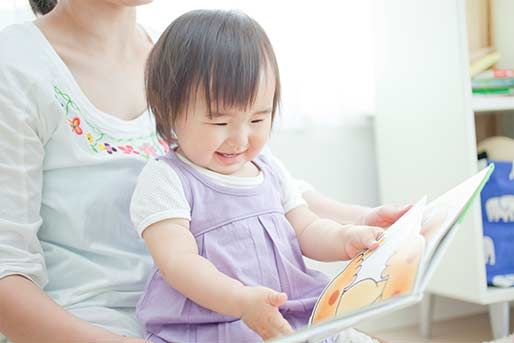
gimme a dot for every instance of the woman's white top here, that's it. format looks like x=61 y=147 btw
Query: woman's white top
x=67 y=174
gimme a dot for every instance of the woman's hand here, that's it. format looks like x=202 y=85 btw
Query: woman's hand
x=384 y=216
x=356 y=238
x=260 y=311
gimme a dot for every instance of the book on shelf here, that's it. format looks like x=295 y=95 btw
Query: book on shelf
x=494 y=91
x=395 y=274
x=494 y=74
x=484 y=63
x=492 y=83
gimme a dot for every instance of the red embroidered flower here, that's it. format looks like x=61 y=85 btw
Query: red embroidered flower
x=75 y=125
x=127 y=149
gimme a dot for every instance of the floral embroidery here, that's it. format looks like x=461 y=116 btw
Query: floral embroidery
x=128 y=149
x=90 y=138
x=99 y=141
x=107 y=147
x=75 y=125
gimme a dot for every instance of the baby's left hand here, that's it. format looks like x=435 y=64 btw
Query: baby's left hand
x=357 y=238
x=384 y=216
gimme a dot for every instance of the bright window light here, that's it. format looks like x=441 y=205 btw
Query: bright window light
x=325 y=51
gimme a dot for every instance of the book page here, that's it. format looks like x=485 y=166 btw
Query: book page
x=442 y=213
x=376 y=276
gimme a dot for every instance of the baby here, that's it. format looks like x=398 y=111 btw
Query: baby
x=223 y=222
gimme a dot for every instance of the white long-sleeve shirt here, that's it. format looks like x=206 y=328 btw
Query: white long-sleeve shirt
x=67 y=173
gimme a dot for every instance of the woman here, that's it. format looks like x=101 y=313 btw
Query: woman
x=74 y=135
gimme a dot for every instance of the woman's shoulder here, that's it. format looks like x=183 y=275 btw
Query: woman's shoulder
x=26 y=71
x=16 y=43
x=22 y=56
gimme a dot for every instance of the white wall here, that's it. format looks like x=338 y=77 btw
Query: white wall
x=338 y=160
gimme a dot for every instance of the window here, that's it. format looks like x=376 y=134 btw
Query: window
x=325 y=51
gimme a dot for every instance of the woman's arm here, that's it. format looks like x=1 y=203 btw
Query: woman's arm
x=29 y=315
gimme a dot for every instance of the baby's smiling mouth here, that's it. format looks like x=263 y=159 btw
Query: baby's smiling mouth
x=230 y=155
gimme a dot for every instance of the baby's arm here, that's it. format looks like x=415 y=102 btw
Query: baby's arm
x=327 y=240
x=175 y=252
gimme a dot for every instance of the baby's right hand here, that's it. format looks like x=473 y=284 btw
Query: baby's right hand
x=260 y=311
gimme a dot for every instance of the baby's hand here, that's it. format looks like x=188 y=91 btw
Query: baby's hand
x=360 y=237
x=384 y=216
x=260 y=311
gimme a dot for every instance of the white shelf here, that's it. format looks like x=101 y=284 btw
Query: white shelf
x=494 y=295
x=490 y=103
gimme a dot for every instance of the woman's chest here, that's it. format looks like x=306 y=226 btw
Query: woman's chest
x=111 y=79
x=83 y=136
x=114 y=88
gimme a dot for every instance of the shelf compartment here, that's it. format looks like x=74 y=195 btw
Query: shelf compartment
x=486 y=103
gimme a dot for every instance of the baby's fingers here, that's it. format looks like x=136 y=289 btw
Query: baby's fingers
x=276 y=299
x=279 y=326
x=370 y=239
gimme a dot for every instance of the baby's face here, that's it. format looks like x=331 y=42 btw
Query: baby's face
x=229 y=140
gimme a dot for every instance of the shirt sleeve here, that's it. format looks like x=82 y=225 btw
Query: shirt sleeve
x=292 y=189
x=158 y=195
x=21 y=165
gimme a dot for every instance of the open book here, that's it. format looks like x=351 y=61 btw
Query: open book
x=395 y=274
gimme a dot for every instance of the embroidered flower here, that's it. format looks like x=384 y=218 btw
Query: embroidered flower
x=148 y=149
x=90 y=138
x=75 y=125
x=164 y=145
x=107 y=147
x=128 y=149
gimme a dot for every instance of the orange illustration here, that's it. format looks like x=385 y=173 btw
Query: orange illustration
x=327 y=304
x=397 y=278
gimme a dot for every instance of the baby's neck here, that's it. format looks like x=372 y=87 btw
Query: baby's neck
x=249 y=169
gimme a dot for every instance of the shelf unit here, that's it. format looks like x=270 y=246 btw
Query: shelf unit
x=492 y=103
x=426 y=139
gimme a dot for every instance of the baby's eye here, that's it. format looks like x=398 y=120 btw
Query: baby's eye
x=219 y=124
x=257 y=120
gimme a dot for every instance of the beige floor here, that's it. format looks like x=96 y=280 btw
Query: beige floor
x=466 y=330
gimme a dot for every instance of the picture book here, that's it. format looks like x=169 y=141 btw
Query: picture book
x=395 y=274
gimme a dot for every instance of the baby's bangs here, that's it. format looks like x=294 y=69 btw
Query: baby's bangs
x=236 y=55
x=234 y=77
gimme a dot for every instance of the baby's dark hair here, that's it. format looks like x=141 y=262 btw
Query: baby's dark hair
x=221 y=53
x=42 y=7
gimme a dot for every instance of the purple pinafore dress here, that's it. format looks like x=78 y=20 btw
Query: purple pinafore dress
x=245 y=234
